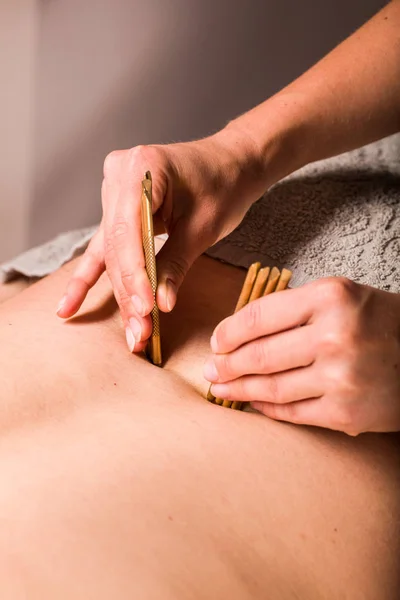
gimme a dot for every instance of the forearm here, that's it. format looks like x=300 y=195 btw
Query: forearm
x=348 y=99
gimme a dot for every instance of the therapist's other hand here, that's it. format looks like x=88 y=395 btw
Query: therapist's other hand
x=326 y=354
x=201 y=192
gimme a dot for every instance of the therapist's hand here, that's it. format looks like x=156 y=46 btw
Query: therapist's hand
x=201 y=192
x=326 y=354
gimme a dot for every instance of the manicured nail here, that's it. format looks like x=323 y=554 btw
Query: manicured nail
x=171 y=294
x=130 y=339
x=220 y=390
x=136 y=329
x=210 y=370
x=214 y=343
x=61 y=304
x=138 y=305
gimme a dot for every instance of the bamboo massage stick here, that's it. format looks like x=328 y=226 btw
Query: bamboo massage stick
x=248 y=285
x=277 y=285
x=242 y=301
x=272 y=281
x=260 y=289
x=258 y=283
x=256 y=288
x=283 y=280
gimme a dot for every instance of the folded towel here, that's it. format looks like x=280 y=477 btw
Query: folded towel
x=335 y=217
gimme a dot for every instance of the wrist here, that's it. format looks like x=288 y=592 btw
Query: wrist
x=245 y=158
x=269 y=140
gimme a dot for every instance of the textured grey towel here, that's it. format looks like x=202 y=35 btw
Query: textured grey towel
x=336 y=217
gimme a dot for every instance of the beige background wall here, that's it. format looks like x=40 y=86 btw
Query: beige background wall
x=83 y=78
x=18 y=37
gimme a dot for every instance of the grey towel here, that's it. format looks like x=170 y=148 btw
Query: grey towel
x=336 y=217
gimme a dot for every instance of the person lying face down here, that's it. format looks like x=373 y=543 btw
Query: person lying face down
x=120 y=480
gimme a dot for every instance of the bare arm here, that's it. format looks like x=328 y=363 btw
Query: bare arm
x=348 y=99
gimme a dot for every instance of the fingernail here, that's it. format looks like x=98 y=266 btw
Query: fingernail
x=130 y=339
x=136 y=329
x=171 y=294
x=210 y=370
x=220 y=390
x=138 y=305
x=214 y=343
x=61 y=304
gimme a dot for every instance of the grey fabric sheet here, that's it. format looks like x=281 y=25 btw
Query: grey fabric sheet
x=336 y=217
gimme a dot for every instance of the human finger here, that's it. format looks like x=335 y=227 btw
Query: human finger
x=266 y=355
x=137 y=328
x=310 y=411
x=124 y=231
x=113 y=168
x=278 y=388
x=90 y=267
x=265 y=316
x=183 y=247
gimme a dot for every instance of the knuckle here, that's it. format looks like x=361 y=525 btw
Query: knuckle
x=289 y=412
x=270 y=410
x=272 y=389
x=341 y=376
x=123 y=299
x=344 y=420
x=78 y=280
x=247 y=390
x=108 y=248
x=333 y=340
x=241 y=389
x=119 y=229
x=126 y=276
x=224 y=366
x=352 y=432
x=140 y=156
x=125 y=306
x=121 y=295
x=259 y=355
x=177 y=269
x=111 y=163
x=282 y=412
x=335 y=290
x=252 y=315
x=340 y=335
x=221 y=335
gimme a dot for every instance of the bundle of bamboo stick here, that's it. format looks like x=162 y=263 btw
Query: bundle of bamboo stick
x=259 y=282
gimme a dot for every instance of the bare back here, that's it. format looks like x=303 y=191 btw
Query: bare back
x=119 y=480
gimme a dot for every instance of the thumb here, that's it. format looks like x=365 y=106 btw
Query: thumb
x=173 y=262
